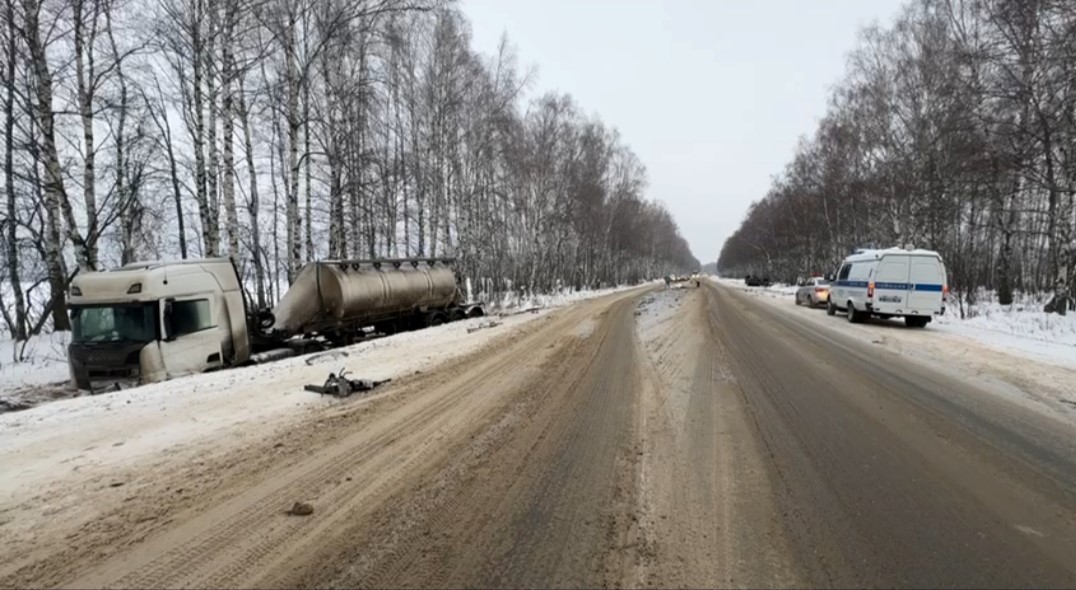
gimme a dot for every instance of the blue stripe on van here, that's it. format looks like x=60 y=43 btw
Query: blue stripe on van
x=893 y=286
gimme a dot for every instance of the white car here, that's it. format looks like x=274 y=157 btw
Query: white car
x=813 y=292
x=891 y=283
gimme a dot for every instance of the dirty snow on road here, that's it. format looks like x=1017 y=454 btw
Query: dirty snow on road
x=92 y=477
x=57 y=453
x=150 y=418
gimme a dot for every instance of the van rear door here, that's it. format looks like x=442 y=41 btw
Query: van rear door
x=891 y=284
x=927 y=282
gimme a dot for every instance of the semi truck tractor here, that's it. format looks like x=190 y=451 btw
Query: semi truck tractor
x=152 y=321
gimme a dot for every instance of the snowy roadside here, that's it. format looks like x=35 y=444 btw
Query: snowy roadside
x=1019 y=330
x=39 y=376
x=91 y=434
x=42 y=375
x=1017 y=353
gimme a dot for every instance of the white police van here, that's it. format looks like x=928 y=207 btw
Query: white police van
x=890 y=283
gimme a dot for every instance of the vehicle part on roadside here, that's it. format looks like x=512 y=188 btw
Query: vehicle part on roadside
x=482 y=326
x=328 y=354
x=341 y=386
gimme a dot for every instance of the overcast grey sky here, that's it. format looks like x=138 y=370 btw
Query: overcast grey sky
x=711 y=94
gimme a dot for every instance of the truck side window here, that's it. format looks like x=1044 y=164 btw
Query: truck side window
x=191 y=316
x=843 y=274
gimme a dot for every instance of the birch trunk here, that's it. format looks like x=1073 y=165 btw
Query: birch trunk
x=228 y=132
x=308 y=229
x=252 y=209
x=212 y=156
x=52 y=186
x=11 y=223
x=85 y=33
x=130 y=207
x=291 y=76
x=204 y=211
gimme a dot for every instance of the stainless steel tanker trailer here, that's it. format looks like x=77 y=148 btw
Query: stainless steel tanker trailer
x=152 y=321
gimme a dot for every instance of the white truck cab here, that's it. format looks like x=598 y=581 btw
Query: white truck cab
x=152 y=321
x=890 y=283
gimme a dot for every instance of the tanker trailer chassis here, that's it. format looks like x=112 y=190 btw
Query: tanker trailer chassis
x=341 y=302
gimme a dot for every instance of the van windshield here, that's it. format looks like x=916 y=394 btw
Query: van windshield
x=129 y=322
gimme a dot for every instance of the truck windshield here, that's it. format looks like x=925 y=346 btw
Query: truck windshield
x=135 y=322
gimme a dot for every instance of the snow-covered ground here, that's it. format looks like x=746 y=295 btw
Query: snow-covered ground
x=516 y=300
x=94 y=433
x=36 y=371
x=33 y=371
x=1022 y=329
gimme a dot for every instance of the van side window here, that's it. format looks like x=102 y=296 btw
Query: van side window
x=843 y=274
x=191 y=316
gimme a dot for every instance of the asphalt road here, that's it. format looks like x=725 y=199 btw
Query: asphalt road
x=887 y=473
x=688 y=437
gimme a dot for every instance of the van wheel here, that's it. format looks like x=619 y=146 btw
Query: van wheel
x=830 y=308
x=853 y=315
x=916 y=321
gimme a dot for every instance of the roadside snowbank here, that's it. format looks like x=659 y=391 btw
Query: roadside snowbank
x=1022 y=329
x=39 y=361
x=1027 y=321
x=95 y=433
x=515 y=300
x=41 y=374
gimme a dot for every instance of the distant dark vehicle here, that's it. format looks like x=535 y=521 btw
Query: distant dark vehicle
x=753 y=281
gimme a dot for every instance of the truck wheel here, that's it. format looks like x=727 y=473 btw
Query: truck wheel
x=830 y=308
x=456 y=315
x=435 y=319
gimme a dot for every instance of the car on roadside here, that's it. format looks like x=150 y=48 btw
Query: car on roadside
x=895 y=282
x=755 y=281
x=813 y=292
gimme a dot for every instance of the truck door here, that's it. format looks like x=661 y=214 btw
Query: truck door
x=891 y=285
x=927 y=282
x=191 y=342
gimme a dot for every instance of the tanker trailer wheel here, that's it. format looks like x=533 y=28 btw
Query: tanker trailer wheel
x=456 y=315
x=344 y=338
x=476 y=312
x=435 y=318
